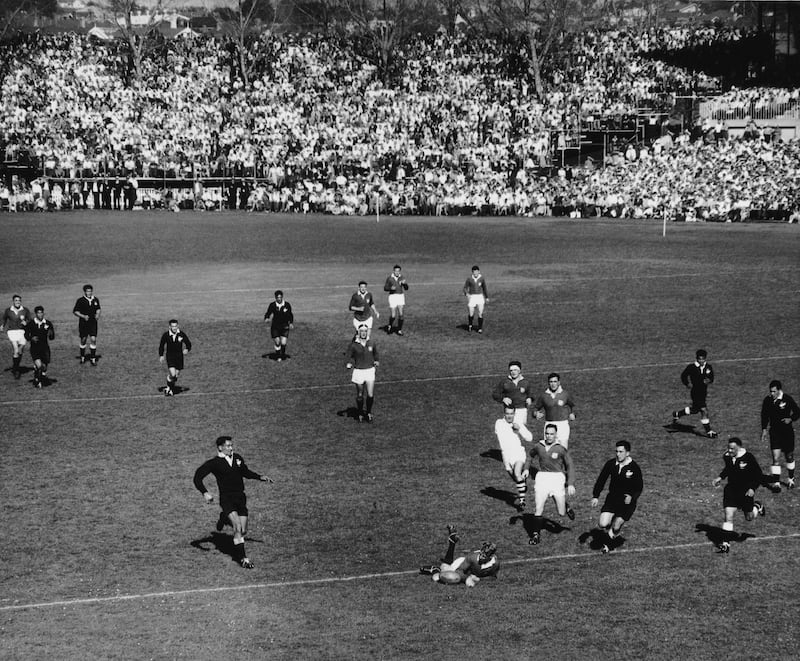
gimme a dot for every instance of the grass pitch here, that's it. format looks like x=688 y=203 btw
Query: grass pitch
x=108 y=552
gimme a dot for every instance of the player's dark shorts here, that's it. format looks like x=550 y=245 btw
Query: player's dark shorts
x=87 y=327
x=737 y=498
x=279 y=331
x=616 y=505
x=699 y=399
x=175 y=361
x=40 y=352
x=782 y=439
x=233 y=502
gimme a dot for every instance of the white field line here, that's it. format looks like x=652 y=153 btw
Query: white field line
x=348 y=385
x=357 y=577
x=440 y=283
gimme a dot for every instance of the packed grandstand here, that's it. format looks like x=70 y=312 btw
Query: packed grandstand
x=459 y=130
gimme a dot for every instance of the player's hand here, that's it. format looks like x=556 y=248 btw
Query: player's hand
x=507 y=401
x=525 y=474
x=749 y=493
x=471 y=581
x=572 y=417
x=377 y=314
x=764 y=434
x=209 y=498
x=376 y=363
x=570 y=490
x=185 y=351
x=161 y=359
x=265 y=478
x=515 y=426
x=628 y=499
x=717 y=481
x=786 y=421
x=349 y=366
x=594 y=502
x=291 y=326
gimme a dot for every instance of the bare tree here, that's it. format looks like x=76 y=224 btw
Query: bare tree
x=243 y=25
x=450 y=11
x=537 y=22
x=15 y=11
x=138 y=29
x=387 y=24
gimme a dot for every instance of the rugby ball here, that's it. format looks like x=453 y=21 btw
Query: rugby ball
x=450 y=577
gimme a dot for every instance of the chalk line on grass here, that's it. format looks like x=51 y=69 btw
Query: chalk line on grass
x=356 y=577
x=347 y=384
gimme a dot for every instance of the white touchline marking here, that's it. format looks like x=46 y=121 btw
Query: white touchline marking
x=347 y=385
x=356 y=577
x=454 y=283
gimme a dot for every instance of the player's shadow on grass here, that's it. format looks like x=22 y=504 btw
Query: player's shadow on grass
x=46 y=382
x=274 y=356
x=527 y=519
x=176 y=390
x=222 y=542
x=716 y=535
x=493 y=453
x=349 y=412
x=595 y=539
x=502 y=495
x=680 y=428
x=22 y=369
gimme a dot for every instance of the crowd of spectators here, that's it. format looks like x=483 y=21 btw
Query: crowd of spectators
x=458 y=130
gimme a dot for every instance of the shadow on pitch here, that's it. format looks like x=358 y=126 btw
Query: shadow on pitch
x=527 y=518
x=22 y=369
x=221 y=542
x=716 y=535
x=595 y=539
x=680 y=428
x=349 y=412
x=502 y=495
x=274 y=356
x=177 y=390
x=493 y=453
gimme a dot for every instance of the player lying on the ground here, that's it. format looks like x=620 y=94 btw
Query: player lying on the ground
x=469 y=568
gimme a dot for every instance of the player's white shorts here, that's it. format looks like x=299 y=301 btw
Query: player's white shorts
x=562 y=429
x=512 y=456
x=548 y=484
x=397 y=300
x=359 y=322
x=363 y=376
x=476 y=300
x=17 y=337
